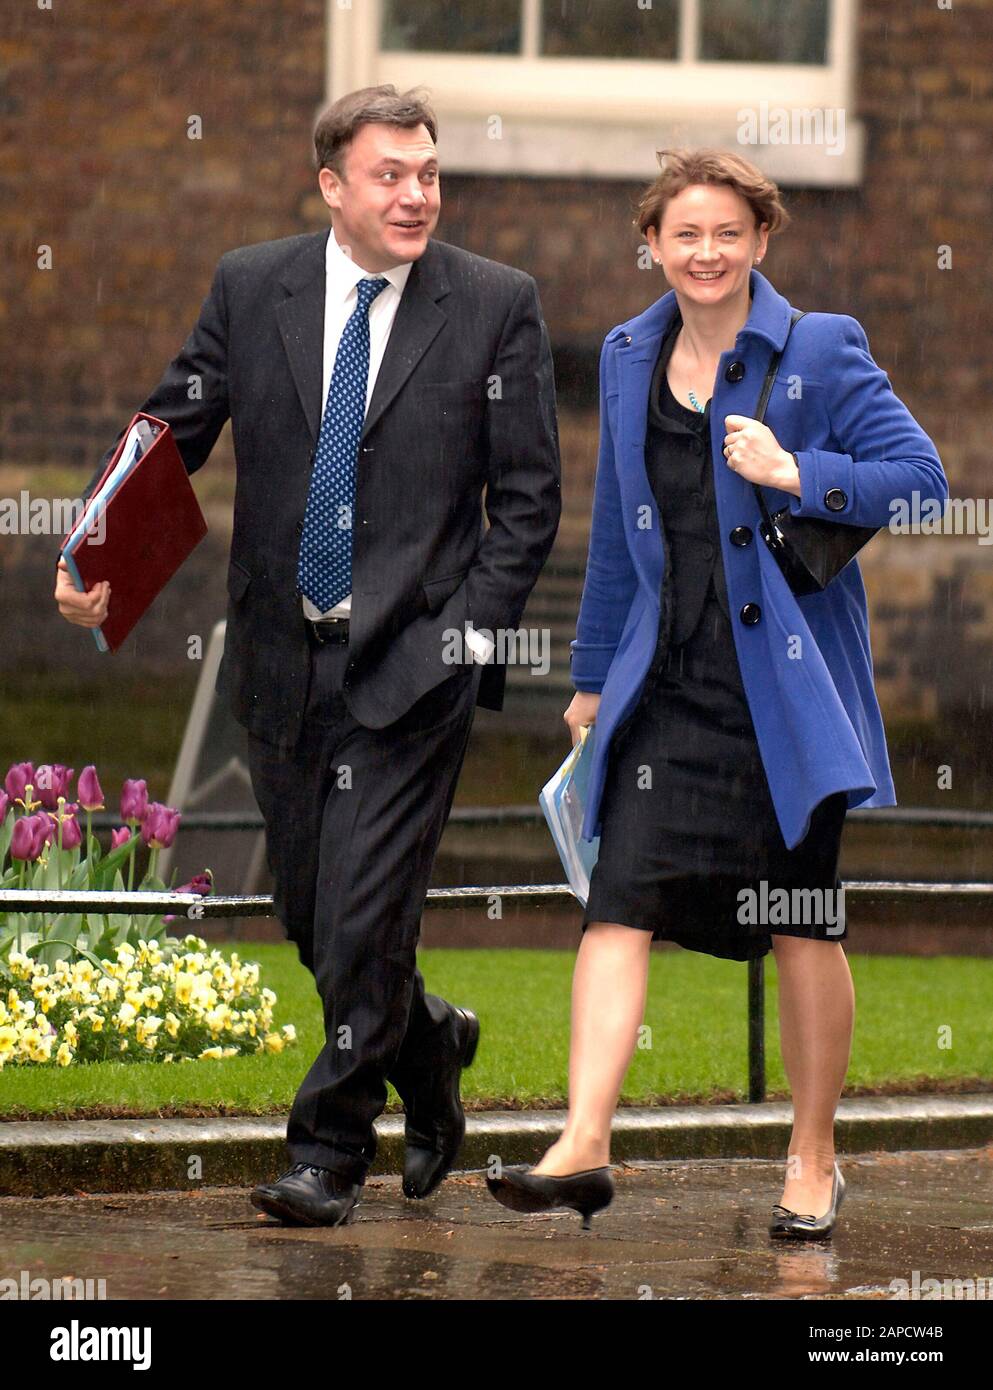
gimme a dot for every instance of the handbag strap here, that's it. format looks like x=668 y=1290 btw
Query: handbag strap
x=770 y=377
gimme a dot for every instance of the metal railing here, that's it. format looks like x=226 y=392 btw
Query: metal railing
x=532 y=815
x=198 y=909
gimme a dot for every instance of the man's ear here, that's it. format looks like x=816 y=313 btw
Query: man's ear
x=330 y=186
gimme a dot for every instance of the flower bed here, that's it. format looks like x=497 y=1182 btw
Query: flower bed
x=171 y=1003
x=89 y=987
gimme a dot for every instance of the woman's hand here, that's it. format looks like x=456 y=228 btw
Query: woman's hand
x=582 y=711
x=752 y=450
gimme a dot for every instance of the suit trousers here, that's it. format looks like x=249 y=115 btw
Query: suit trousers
x=353 y=818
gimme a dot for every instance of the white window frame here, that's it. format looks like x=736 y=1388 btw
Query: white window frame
x=534 y=115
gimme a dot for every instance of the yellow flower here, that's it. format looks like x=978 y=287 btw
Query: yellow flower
x=203 y=997
x=64 y=1055
x=146 y=1028
x=218 y=1019
x=37 y=1046
x=273 y=1042
x=20 y=966
x=124 y=1017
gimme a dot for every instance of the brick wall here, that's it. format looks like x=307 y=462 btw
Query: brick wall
x=95 y=100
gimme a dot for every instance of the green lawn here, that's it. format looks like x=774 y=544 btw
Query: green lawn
x=906 y=1006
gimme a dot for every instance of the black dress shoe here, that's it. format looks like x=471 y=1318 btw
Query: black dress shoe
x=309 y=1196
x=435 y=1121
x=789 y=1225
x=586 y=1192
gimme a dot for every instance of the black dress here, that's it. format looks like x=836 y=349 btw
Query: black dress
x=687 y=819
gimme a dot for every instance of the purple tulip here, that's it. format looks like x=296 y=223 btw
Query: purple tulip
x=43 y=831
x=71 y=833
x=52 y=782
x=119 y=837
x=88 y=789
x=4 y=806
x=200 y=883
x=22 y=841
x=159 y=825
x=134 y=799
x=18 y=777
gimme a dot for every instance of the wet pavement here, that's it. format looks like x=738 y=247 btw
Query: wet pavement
x=676 y=1230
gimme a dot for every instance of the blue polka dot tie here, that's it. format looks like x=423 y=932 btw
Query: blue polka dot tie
x=324 y=570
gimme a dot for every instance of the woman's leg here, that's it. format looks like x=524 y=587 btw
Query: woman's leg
x=816 y=1014
x=609 y=987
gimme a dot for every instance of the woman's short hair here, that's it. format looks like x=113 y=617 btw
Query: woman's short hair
x=682 y=167
x=338 y=125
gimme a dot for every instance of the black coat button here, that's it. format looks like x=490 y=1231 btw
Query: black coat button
x=750 y=614
x=835 y=500
x=741 y=535
x=735 y=372
x=696 y=445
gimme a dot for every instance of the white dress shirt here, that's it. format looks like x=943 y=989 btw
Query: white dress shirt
x=342 y=275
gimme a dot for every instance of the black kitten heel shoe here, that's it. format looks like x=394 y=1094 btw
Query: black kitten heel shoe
x=586 y=1192
x=787 y=1224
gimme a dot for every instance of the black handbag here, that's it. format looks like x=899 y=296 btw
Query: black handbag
x=808 y=550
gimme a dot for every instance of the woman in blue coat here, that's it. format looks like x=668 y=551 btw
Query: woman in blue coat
x=735 y=721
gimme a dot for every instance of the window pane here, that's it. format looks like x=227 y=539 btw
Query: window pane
x=451 y=26
x=764 y=31
x=609 y=29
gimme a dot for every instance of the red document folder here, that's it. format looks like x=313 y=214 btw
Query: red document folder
x=151 y=524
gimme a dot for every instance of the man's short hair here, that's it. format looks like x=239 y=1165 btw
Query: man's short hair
x=338 y=125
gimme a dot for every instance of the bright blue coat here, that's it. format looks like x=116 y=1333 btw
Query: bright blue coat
x=812 y=701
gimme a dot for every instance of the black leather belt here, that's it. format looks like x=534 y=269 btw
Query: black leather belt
x=323 y=630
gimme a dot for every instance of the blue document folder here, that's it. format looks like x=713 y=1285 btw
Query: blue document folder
x=563 y=801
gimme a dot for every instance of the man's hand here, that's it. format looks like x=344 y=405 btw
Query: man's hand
x=582 y=711
x=89 y=609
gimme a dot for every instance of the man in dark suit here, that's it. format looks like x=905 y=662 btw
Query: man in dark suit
x=377 y=382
